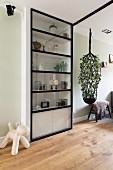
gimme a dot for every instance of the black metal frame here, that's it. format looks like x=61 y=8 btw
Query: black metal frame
x=31 y=80
x=37 y=71
x=41 y=71
x=55 y=108
x=49 y=33
x=51 y=53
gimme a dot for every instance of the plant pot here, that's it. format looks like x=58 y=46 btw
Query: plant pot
x=37 y=46
x=89 y=100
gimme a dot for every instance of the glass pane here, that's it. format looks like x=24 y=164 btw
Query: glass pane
x=49 y=81
x=50 y=100
x=47 y=62
x=50 y=43
x=51 y=25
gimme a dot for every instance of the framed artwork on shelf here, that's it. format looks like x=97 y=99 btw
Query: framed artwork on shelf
x=104 y=64
x=111 y=58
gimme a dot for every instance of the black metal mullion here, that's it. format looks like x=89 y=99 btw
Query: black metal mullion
x=51 y=34
x=50 y=91
x=72 y=77
x=31 y=21
x=52 y=53
x=53 y=72
x=51 y=108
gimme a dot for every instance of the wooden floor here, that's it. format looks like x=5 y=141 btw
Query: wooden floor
x=89 y=146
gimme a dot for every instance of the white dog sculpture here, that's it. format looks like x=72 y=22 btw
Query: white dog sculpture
x=16 y=136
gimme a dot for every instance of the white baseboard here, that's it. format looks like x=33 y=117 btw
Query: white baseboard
x=79 y=119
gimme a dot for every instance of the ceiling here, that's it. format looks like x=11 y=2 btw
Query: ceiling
x=72 y=11
x=69 y=10
x=98 y=22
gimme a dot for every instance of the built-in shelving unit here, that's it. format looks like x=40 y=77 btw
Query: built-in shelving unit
x=51 y=75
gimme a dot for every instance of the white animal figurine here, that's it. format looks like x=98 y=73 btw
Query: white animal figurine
x=16 y=136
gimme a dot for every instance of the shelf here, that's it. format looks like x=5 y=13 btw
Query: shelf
x=47 y=91
x=51 y=108
x=54 y=72
x=49 y=37
x=51 y=34
x=51 y=53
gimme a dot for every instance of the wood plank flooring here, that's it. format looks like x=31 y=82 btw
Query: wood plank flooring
x=88 y=146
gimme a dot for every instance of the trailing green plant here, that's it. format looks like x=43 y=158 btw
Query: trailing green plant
x=36 y=43
x=90 y=75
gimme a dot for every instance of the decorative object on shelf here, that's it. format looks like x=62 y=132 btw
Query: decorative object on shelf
x=90 y=75
x=37 y=85
x=55 y=83
x=104 y=64
x=57 y=67
x=51 y=84
x=65 y=34
x=111 y=58
x=44 y=104
x=36 y=45
x=40 y=67
x=63 y=85
x=43 y=87
x=44 y=44
x=53 y=28
x=61 y=67
x=49 y=48
x=55 y=47
x=61 y=102
x=37 y=107
x=16 y=136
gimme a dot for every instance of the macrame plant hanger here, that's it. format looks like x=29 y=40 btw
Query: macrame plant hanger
x=89 y=76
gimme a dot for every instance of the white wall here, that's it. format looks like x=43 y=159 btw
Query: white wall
x=10 y=69
x=106 y=84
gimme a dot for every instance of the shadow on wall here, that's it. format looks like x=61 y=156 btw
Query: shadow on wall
x=108 y=98
x=82 y=111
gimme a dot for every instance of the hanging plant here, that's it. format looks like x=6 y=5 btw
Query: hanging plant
x=90 y=75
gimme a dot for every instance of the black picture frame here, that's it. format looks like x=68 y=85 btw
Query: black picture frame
x=104 y=64
x=45 y=104
x=111 y=58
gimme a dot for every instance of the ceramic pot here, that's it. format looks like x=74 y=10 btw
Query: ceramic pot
x=89 y=100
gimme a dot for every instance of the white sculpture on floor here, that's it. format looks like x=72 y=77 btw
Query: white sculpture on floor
x=16 y=136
